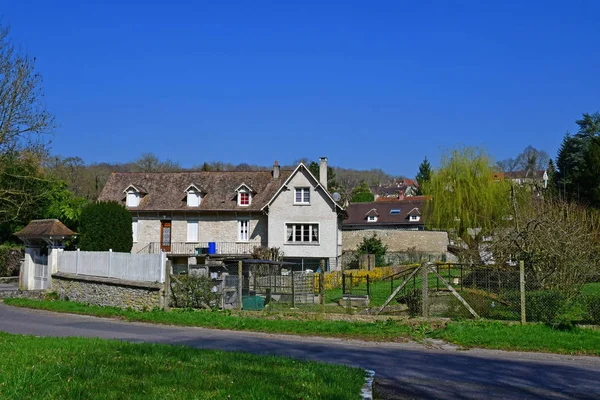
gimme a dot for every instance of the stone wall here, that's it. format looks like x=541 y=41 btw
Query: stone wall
x=430 y=242
x=108 y=291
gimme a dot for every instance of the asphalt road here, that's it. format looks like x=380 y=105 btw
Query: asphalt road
x=403 y=371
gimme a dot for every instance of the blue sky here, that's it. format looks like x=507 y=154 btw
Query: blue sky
x=368 y=84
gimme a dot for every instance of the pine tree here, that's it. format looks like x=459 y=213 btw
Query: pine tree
x=424 y=175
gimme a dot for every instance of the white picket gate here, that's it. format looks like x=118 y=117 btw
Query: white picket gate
x=41 y=273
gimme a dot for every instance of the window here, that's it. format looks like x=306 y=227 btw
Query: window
x=395 y=211
x=243 y=198
x=134 y=230
x=243 y=228
x=372 y=218
x=302 y=233
x=192 y=231
x=302 y=196
x=133 y=199
x=414 y=218
x=193 y=198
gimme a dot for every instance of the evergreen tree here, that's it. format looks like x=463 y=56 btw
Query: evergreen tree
x=552 y=188
x=104 y=226
x=424 y=175
x=362 y=194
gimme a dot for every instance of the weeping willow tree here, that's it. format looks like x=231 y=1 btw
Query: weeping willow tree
x=469 y=201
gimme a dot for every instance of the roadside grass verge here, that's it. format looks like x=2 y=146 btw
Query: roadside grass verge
x=77 y=368
x=530 y=337
x=388 y=330
x=467 y=333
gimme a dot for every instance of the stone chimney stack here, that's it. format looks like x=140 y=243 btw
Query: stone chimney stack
x=323 y=171
x=276 y=170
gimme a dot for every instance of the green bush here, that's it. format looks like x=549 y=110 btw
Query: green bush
x=373 y=245
x=192 y=291
x=104 y=226
x=414 y=300
x=10 y=260
x=592 y=308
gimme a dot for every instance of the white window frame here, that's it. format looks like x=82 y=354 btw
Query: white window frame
x=243 y=230
x=192 y=231
x=134 y=230
x=133 y=198
x=372 y=218
x=302 y=226
x=304 y=195
x=414 y=218
x=194 y=195
x=239 y=197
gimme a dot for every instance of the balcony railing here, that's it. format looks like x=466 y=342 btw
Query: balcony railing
x=200 y=248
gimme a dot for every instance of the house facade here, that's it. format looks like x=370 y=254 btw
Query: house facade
x=228 y=213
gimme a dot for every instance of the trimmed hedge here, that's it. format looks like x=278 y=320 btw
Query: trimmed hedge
x=104 y=226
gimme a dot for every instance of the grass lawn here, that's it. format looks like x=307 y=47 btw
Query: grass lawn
x=468 y=333
x=296 y=324
x=76 y=368
x=591 y=288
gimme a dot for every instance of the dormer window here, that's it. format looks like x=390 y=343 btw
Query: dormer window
x=194 y=195
x=372 y=218
x=414 y=218
x=133 y=195
x=244 y=195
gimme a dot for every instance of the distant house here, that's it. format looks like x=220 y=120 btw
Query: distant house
x=396 y=190
x=532 y=177
x=400 y=214
x=228 y=213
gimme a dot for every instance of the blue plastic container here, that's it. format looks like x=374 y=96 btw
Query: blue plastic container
x=212 y=248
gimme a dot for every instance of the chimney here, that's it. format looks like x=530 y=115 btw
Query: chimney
x=323 y=171
x=276 y=170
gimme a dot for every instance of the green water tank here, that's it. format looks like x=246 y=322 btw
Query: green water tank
x=253 y=303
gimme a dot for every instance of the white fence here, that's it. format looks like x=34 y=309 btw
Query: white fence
x=108 y=264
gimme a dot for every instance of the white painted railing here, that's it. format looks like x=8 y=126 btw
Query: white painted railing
x=108 y=264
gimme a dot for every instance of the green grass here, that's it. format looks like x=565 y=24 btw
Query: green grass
x=483 y=333
x=591 y=288
x=76 y=368
x=259 y=322
x=531 y=337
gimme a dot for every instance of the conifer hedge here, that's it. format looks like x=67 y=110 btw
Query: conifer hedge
x=104 y=226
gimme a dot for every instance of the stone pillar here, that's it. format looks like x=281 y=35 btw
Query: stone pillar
x=26 y=281
x=53 y=255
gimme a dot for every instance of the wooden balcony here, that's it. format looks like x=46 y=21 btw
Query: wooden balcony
x=202 y=248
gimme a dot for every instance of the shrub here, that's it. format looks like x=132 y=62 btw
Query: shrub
x=10 y=260
x=414 y=300
x=192 y=291
x=549 y=306
x=373 y=245
x=104 y=226
x=592 y=308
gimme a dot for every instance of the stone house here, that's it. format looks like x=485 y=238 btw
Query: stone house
x=228 y=213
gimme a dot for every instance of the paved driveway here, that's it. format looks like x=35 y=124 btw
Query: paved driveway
x=404 y=370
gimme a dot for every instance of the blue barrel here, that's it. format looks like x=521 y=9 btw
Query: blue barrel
x=212 y=248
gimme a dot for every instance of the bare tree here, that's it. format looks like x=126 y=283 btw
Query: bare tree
x=24 y=120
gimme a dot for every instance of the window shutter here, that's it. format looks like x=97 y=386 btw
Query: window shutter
x=192 y=231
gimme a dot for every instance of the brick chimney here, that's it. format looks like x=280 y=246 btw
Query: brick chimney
x=323 y=171
x=276 y=170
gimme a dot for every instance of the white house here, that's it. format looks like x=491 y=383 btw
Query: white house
x=228 y=213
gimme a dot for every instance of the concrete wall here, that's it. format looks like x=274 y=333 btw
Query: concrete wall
x=222 y=227
x=399 y=240
x=108 y=292
x=321 y=211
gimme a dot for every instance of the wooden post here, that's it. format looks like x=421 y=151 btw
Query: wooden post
x=425 y=289
x=368 y=286
x=240 y=284
x=293 y=290
x=522 y=287
x=322 y=283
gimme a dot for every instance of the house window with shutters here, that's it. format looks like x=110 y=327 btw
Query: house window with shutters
x=243 y=230
x=192 y=231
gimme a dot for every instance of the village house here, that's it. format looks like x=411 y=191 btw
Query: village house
x=229 y=213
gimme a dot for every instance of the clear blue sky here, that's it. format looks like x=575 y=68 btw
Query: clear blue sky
x=368 y=84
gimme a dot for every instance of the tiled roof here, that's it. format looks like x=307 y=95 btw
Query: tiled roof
x=357 y=213
x=166 y=190
x=44 y=228
x=525 y=174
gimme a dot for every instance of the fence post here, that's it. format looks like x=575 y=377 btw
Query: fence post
x=109 y=262
x=240 y=284
x=77 y=262
x=167 y=287
x=322 y=283
x=343 y=284
x=424 y=289
x=293 y=290
x=368 y=286
x=522 y=289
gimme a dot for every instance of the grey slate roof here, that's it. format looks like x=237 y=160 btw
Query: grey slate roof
x=166 y=190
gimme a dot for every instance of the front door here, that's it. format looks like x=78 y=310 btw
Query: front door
x=165 y=236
